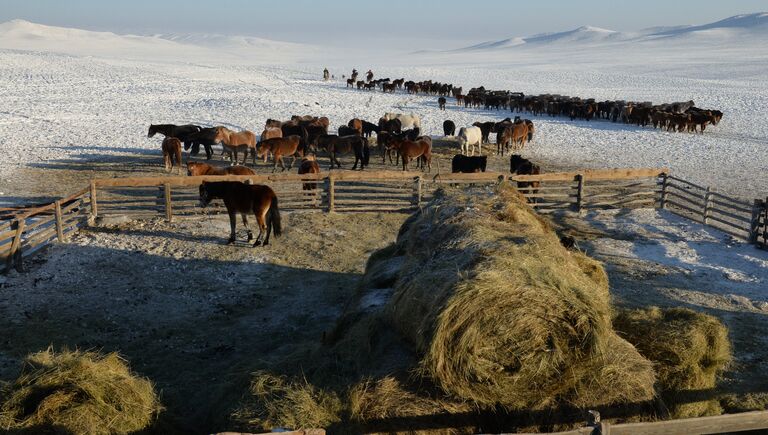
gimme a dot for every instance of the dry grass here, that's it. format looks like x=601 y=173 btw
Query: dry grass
x=503 y=314
x=386 y=398
x=78 y=392
x=689 y=350
x=277 y=401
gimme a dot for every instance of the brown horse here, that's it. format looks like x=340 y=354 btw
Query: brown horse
x=357 y=124
x=234 y=141
x=279 y=147
x=420 y=149
x=244 y=198
x=309 y=166
x=171 y=153
x=200 y=168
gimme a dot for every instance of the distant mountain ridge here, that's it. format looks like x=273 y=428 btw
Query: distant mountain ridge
x=739 y=25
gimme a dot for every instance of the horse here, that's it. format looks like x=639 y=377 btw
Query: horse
x=441 y=103
x=369 y=76
x=369 y=128
x=279 y=147
x=349 y=131
x=346 y=144
x=199 y=168
x=390 y=125
x=205 y=137
x=357 y=124
x=245 y=198
x=522 y=166
x=466 y=164
x=309 y=165
x=469 y=137
x=180 y=132
x=449 y=128
x=234 y=141
x=171 y=153
x=351 y=82
x=485 y=129
x=420 y=149
x=406 y=121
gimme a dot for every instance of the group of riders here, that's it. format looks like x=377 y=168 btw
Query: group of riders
x=368 y=75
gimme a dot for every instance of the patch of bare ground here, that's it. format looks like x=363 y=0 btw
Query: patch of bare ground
x=193 y=314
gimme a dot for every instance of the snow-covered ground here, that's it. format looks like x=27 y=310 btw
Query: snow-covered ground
x=72 y=95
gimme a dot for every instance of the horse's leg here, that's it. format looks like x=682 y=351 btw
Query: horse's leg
x=208 y=152
x=245 y=223
x=245 y=156
x=232 y=223
x=260 y=214
x=166 y=160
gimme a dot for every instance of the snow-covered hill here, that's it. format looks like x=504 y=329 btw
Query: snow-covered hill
x=749 y=29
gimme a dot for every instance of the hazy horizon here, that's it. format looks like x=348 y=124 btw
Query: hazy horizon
x=426 y=24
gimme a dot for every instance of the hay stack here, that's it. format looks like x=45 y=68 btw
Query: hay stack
x=689 y=350
x=501 y=313
x=277 y=401
x=78 y=392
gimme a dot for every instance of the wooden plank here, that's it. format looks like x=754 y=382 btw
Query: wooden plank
x=694 y=211
x=733 y=216
x=38 y=222
x=76 y=204
x=680 y=180
x=594 y=174
x=747 y=210
x=94 y=202
x=168 y=203
x=15 y=244
x=702 y=425
x=59 y=228
x=676 y=196
x=622 y=202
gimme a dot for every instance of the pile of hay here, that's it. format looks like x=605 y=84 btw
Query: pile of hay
x=78 y=392
x=689 y=351
x=501 y=313
x=279 y=402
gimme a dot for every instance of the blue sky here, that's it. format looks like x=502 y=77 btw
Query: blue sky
x=362 y=22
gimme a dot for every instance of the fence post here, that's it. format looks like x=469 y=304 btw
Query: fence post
x=330 y=193
x=59 y=226
x=579 y=191
x=94 y=206
x=754 y=221
x=707 y=206
x=417 y=190
x=14 y=255
x=664 y=184
x=168 y=207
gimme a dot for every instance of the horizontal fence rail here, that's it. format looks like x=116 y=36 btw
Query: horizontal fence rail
x=28 y=230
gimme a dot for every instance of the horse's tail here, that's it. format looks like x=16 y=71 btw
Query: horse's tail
x=274 y=217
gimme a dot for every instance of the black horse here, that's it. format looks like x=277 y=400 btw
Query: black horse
x=205 y=137
x=182 y=132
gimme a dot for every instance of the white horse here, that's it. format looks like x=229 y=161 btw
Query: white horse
x=406 y=121
x=469 y=137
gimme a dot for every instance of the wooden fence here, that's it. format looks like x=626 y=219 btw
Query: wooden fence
x=347 y=191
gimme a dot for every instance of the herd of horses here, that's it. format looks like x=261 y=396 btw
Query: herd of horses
x=675 y=117
x=398 y=139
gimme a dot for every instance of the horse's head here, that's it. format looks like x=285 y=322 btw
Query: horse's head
x=152 y=130
x=222 y=134
x=205 y=195
x=193 y=168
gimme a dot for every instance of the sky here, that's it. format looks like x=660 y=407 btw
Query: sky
x=421 y=23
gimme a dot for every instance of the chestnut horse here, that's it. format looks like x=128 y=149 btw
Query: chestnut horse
x=200 y=168
x=245 y=198
x=235 y=141
x=420 y=149
x=309 y=166
x=279 y=147
x=172 y=152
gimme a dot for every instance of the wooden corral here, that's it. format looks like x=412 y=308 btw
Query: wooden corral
x=26 y=231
